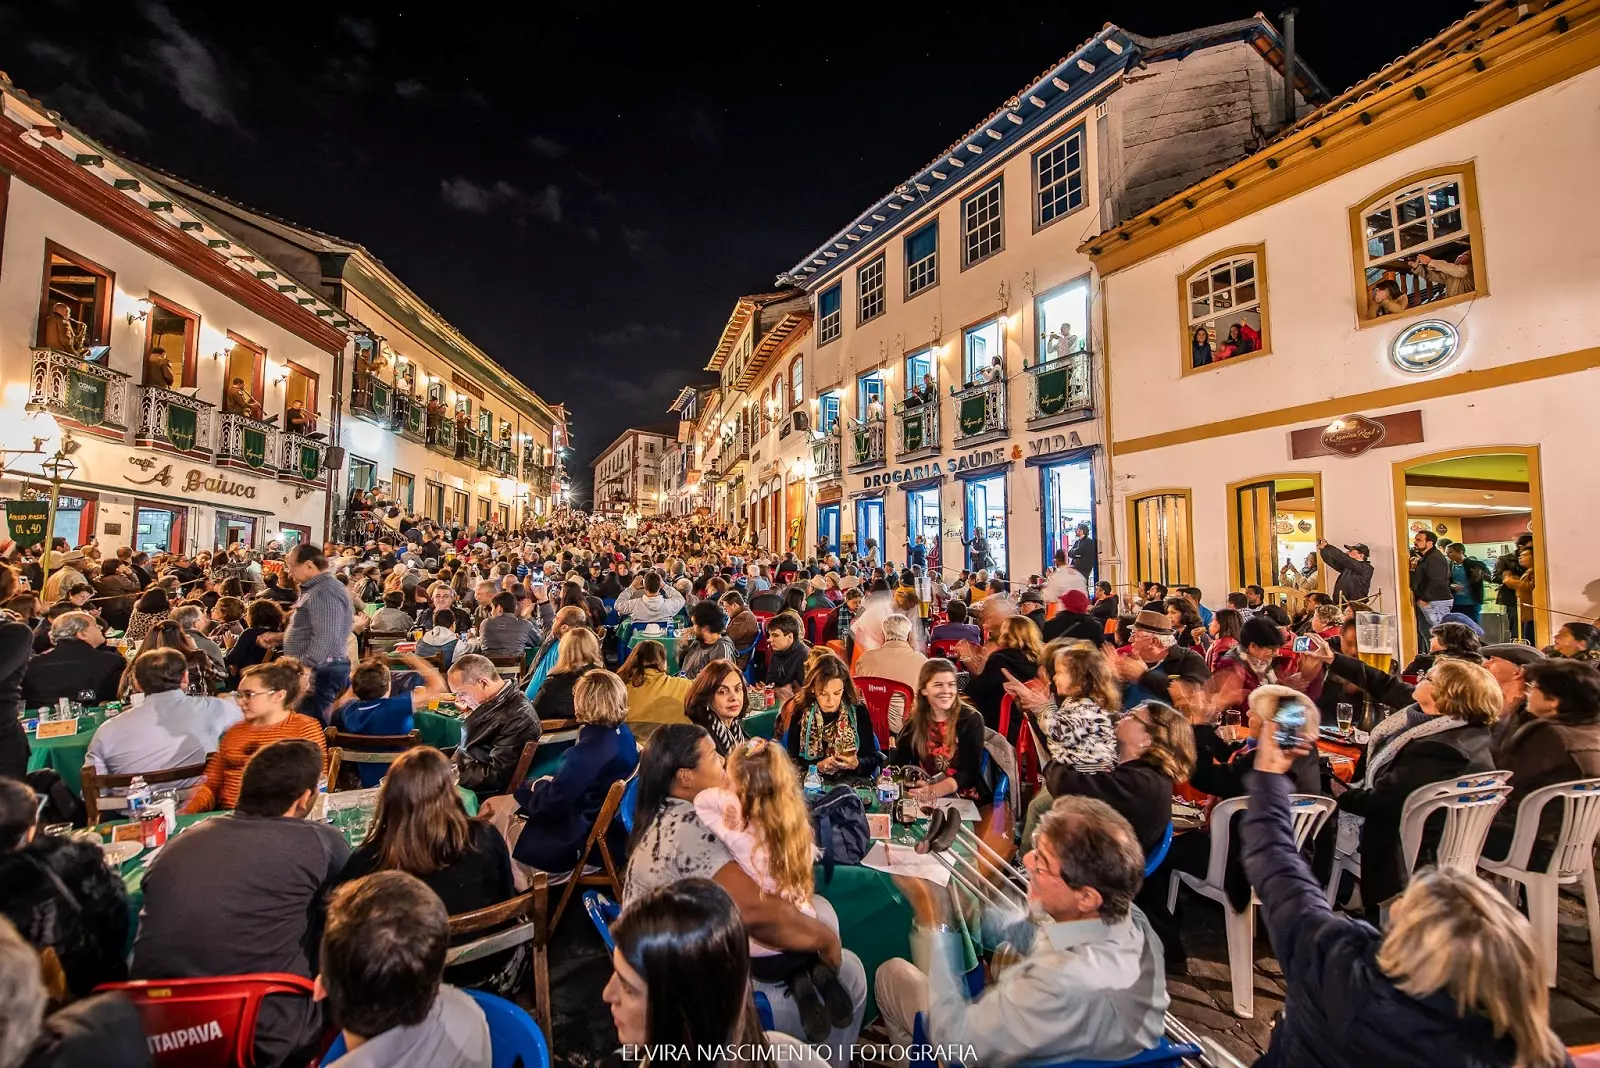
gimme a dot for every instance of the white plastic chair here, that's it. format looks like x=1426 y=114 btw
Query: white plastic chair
x=1466 y=825
x=1573 y=862
x=1307 y=812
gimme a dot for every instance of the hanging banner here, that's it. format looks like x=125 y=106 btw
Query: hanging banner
x=255 y=448
x=912 y=426
x=1052 y=391
x=973 y=414
x=27 y=521
x=181 y=424
x=310 y=462
x=86 y=398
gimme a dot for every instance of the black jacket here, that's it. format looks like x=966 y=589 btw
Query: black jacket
x=1078 y=625
x=104 y=1030
x=869 y=758
x=60 y=895
x=496 y=731
x=1381 y=686
x=555 y=696
x=71 y=666
x=1137 y=789
x=1083 y=556
x=1341 y=1011
x=1430 y=579
x=1423 y=760
x=988 y=688
x=968 y=764
x=1355 y=576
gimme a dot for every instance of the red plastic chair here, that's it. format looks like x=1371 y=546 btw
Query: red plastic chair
x=1027 y=745
x=817 y=624
x=946 y=647
x=205 y=1023
x=877 y=693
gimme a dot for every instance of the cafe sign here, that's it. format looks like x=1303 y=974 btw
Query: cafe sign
x=978 y=458
x=193 y=481
x=1353 y=435
x=1424 y=346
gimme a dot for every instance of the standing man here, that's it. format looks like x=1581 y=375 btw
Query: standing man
x=917 y=555
x=1084 y=555
x=1355 y=573
x=1506 y=596
x=1467 y=576
x=1430 y=584
x=319 y=628
x=977 y=550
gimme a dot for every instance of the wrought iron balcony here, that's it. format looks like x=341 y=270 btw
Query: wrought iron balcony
x=409 y=417
x=300 y=459
x=247 y=443
x=1061 y=390
x=441 y=435
x=919 y=430
x=825 y=458
x=980 y=413
x=90 y=396
x=175 y=422
x=500 y=460
x=866 y=445
x=372 y=399
x=469 y=446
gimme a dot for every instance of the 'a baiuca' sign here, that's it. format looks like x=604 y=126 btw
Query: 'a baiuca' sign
x=1000 y=454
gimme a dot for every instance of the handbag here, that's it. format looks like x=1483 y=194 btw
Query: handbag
x=839 y=825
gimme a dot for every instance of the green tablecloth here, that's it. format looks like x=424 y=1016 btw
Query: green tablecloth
x=65 y=755
x=761 y=724
x=669 y=642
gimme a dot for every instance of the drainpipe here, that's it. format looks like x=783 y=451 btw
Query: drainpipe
x=1288 y=66
x=335 y=428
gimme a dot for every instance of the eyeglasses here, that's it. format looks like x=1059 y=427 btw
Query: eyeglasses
x=251 y=693
x=1033 y=859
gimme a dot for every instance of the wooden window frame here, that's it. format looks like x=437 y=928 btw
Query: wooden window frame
x=316 y=384
x=1235 y=543
x=5 y=198
x=105 y=290
x=258 y=377
x=836 y=316
x=907 y=293
x=797 y=380
x=970 y=328
x=191 y=340
x=1185 y=574
x=880 y=263
x=1473 y=230
x=999 y=188
x=1185 y=332
x=177 y=540
x=394 y=475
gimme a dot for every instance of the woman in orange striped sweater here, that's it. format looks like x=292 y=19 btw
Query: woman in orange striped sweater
x=266 y=694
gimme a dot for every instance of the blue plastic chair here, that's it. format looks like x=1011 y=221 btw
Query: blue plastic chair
x=1168 y=1054
x=603 y=912
x=763 y=1011
x=1002 y=782
x=1160 y=854
x=612 y=619
x=630 y=802
x=750 y=651
x=513 y=1036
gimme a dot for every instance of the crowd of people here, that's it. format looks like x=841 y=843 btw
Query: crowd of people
x=234 y=665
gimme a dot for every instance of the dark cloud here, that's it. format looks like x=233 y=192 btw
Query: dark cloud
x=475 y=99
x=191 y=66
x=96 y=113
x=410 y=89
x=631 y=334
x=465 y=195
x=364 y=31
x=547 y=147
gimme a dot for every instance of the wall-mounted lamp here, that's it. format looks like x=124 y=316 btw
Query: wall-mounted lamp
x=225 y=351
x=141 y=311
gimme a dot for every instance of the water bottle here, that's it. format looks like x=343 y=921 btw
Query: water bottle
x=813 y=785
x=888 y=789
x=138 y=798
x=319 y=804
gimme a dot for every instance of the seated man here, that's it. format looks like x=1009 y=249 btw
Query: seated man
x=441 y=637
x=367 y=708
x=505 y=633
x=895 y=658
x=243 y=893
x=649 y=600
x=1089 y=984
x=382 y=974
x=392 y=618
x=169 y=728
x=79 y=659
x=742 y=623
x=500 y=721
x=706 y=641
x=956 y=628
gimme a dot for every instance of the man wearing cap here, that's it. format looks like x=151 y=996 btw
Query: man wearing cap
x=1153 y=660
x=1031 y=604
x=1355 y=573
x=1074 y=620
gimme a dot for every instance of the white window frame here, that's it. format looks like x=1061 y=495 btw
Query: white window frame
x=1072 y=141
x=1232 y=261
x=797 y=380
x=1421 y=188
x=924 y=273
x=831 y=325
x=871 y=296
x=983 y=224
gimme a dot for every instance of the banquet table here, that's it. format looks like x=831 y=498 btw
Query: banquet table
x=668 y=638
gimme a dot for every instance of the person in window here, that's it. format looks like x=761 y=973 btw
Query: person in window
x=158 y=369
x=1241 y=340
x=1454 y=277
x=296 y=419
x=238 y=401
x=1387 y=299
x=1200 y=347
x=62 y=332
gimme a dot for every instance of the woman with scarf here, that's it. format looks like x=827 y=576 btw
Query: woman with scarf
x=826 y=724
x=718 y=702
x=1459 y=702
x=1261 y=660
x=1576 y=641
x=943 y=735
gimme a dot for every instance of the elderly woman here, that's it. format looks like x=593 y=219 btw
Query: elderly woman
x=149 y=610
x=547 y=821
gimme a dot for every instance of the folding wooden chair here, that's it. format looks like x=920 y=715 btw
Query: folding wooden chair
x=347 y=748
x=94 y=782
x=596 y=840
x=531 y=908
x=384 y=641
x=507 y=667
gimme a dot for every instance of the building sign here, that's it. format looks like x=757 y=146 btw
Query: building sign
x=1352 y=435
x=27 y=519
x=1425 y=346
x=1054 y=443
x=1000 y=454
x=192 y=481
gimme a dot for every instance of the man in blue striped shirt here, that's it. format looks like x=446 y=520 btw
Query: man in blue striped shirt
x=319 y=628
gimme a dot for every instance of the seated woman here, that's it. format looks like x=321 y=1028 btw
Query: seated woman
x=827 y=724
x=546 y=821
x=150 y=609
x=265 y=621
x=1455 y=979
x=943 y=736
x=654 y=697
x=579 y=654
x=681 y=975
x=1224 y=629
x=421 y=827
x=672 y=844
x=1459 y=702
x=267 y=694
x=719 y=701
x=167 y=634
x=1575 y=641
x=1017 y=649
x=761 y=817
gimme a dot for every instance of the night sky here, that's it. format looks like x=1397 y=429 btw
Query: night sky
x=583 y=189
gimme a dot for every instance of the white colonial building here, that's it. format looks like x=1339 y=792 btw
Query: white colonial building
x=628 y=472
x=955 y=370
x=1418 y=269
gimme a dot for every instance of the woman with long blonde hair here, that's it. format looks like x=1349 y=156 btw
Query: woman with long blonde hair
x=578 y=654
x=1456 y=980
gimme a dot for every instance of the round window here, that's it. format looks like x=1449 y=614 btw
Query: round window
x=1425 y=346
